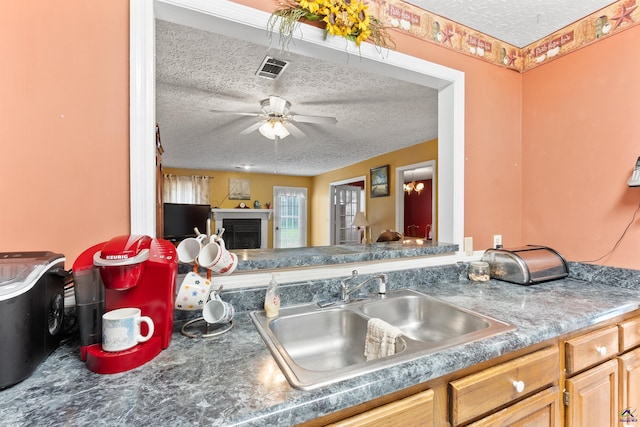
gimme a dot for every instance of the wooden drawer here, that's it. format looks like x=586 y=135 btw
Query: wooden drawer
x=540 y=410
x=629 y=334
x=483 y=392
x=591 y=349
x=416 y=410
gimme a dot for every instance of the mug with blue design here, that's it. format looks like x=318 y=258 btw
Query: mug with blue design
x=121 y=329
x=193 y=292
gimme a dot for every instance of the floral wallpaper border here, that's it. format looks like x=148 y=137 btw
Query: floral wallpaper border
x=424 y=25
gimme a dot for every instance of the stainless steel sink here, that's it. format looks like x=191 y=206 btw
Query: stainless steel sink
x=318 y=346
x=324 y=340
x=426 y=319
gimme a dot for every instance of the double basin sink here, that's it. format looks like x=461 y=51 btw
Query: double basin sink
x=317 y=346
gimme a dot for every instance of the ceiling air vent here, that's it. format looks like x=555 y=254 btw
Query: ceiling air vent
x=271 y=68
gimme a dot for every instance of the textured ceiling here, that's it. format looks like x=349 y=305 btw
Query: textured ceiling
x=517 y=22
x=205 y=79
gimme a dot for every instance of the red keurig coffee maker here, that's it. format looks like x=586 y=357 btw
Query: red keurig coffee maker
x=126 y=271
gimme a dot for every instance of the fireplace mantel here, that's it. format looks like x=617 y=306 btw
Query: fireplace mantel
x=264 y=215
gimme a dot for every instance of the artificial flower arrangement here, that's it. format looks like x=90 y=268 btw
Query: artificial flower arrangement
x=346 y=18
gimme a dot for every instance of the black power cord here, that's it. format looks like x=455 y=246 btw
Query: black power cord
x=615 y=246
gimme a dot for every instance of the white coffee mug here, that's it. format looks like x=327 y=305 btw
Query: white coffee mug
x=189 y=248
x=217 y=258
x=193 y=292
x=217 y=311
x=121 y=329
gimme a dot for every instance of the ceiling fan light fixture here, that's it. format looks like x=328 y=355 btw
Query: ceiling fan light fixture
x=275 y=105
x=267 y=130
x=272 y=128
x=280 y=129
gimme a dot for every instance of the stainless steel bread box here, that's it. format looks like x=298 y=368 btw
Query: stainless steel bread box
x=526 y=265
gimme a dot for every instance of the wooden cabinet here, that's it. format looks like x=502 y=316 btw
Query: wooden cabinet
x=540 y=410
x=416 y=410
x=590 y=349
x=589 y=384
x=481 y=393
x=629 y=334
x=629 y=381
x=591 y=398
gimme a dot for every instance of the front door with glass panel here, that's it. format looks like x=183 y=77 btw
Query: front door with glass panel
x=289 y=217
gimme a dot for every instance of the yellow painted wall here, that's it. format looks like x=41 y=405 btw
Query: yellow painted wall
x=261 y=189
x=381 y=211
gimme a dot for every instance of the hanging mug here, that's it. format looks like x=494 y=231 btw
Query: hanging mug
x=217 y=258
x=217 y=311
x=189 y=248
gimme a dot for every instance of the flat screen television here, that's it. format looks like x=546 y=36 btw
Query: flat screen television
x=180 y=219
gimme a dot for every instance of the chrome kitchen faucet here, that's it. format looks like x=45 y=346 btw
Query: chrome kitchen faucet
x=346 y=292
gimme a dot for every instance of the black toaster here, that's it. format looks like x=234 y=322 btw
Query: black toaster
x=31 y=311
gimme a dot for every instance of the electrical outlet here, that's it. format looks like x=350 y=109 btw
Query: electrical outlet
x=497 y=241
x=468 y=246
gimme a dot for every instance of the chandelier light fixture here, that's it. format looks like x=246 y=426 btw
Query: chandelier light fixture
x=413 y=186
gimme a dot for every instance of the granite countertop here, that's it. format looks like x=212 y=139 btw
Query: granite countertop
x=233 y=380
x=264 y=259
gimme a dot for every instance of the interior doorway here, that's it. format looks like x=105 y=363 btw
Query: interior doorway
x=347 y=199
x=416 y=201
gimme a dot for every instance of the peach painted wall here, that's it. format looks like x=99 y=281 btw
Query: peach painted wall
x=547 y=153
x=64 y=104
x=492 y=150
x=581 y=138
x=64 y=124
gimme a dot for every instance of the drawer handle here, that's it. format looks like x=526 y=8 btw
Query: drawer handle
x=519 y=386
x=602 y=350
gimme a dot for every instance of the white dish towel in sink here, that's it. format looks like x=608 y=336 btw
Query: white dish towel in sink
x=381 y=339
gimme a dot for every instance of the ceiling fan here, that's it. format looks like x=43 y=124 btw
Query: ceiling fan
x=277 y=121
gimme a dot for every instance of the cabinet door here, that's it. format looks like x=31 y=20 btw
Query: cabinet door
x=539 y=410
x=416 y=410
x=629 y=395
x=593 y=397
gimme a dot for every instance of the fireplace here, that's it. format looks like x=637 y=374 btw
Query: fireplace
x=261 y=216
x=242 y=233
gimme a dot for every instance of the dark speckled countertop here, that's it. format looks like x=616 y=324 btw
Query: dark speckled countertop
x=261 y=259
x=233 y=380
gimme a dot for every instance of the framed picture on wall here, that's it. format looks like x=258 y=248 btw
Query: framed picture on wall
x=239 y=189
x=379 y=181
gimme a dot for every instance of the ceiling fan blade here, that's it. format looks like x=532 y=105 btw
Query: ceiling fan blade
x=252 y=128
x=294 y=130
x=278 y=105
x=249 y=114
x=344 y=101
x=314 y=119
x=237 y=113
